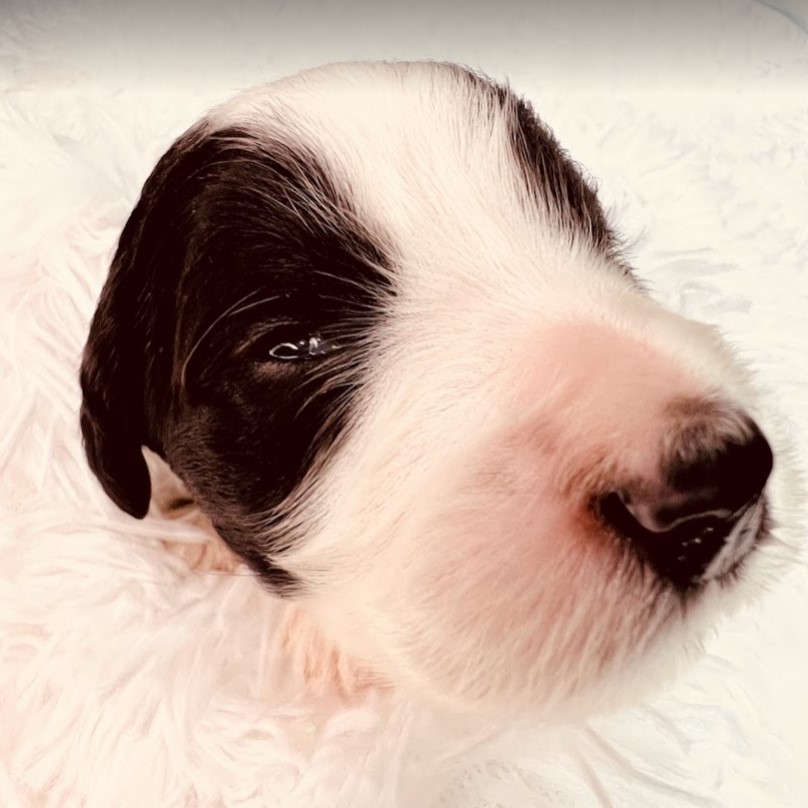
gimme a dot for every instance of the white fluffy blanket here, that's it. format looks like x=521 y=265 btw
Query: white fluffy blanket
x=127 y=679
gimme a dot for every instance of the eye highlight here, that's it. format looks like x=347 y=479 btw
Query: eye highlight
x=309 y=348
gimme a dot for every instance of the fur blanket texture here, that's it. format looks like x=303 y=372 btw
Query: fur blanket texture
x=128 y=678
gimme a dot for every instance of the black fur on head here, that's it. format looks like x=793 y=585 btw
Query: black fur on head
x=228 y=335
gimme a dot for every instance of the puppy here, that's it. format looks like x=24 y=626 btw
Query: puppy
x=377 y=322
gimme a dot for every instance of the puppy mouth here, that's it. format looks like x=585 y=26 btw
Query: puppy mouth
x=743 y=538
x=693 y=554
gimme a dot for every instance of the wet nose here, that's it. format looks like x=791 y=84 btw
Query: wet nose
x=717 y=480
x=707 y=504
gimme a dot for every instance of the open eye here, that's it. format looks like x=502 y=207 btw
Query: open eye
x=308 y=348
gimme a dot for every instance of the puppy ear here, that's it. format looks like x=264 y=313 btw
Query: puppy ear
x=121 y=365
x=126 y=367
x=112 y=417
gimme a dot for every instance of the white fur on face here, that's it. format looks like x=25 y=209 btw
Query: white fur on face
x=448 y=541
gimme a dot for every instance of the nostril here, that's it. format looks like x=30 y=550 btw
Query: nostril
x=681 y=554
x=661 y=508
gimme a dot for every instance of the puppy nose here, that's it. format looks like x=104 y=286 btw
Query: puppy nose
x=703 y=506
x=713 y=481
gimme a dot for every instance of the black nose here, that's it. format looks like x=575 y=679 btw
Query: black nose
x=702 y=505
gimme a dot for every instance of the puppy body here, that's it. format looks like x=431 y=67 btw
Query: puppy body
x=377 y=321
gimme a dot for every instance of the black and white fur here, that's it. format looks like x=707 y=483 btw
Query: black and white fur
x=377 y=322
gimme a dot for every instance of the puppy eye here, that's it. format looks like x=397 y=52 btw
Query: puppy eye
x=312 y=347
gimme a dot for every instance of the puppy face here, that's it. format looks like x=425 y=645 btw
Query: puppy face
x=377 y=322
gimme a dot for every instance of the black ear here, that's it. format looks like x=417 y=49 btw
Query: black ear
x=125 y=370
x=112 y=412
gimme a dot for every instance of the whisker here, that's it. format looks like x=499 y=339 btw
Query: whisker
x=227 y=312
x=347 y=281
x=254 y=304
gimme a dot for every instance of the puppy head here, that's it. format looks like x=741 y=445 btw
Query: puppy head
x=377 y=322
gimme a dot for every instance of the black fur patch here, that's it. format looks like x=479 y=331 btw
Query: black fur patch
x=554 y=179
x=237 y=244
